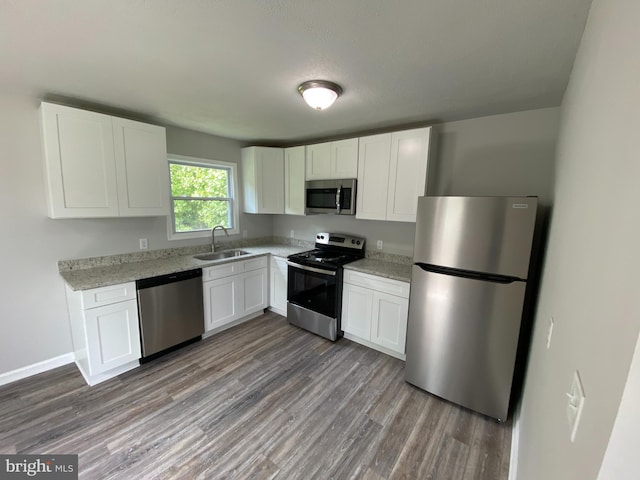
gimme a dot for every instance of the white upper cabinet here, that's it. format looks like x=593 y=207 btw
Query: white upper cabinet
x=392 y=174
x=318 y=161
x=263 y=179
x=294 y=168
x=79 y=163
x=407 y=173
x=97 y=165
x=142 y=168
x=344 y=158
x=332 y=160
x=373 y=177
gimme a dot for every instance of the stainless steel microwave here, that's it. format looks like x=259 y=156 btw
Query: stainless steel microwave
x=331 y=196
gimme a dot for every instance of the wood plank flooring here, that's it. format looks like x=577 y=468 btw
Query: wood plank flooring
x=262 y=400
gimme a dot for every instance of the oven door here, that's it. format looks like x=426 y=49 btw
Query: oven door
x=313 y=299
x=312 y=288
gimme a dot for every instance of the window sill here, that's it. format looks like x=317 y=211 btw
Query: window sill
x=199 y=234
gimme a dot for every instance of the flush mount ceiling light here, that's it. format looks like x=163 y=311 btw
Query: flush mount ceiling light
x=319 y=94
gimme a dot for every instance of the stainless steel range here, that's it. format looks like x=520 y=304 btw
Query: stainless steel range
x=314 y=288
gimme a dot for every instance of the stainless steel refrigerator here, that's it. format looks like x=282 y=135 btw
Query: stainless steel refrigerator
x=468 y=284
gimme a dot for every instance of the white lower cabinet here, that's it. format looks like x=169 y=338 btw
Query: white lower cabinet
x=105 y=331
x=234 y=291
x=278 y=285
x=375 y=311
x=254 y=289
x=221 y=305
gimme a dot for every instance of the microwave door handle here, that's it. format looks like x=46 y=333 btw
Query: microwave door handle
x=338 y=196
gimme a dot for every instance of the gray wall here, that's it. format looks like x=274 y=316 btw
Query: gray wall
x=33 y=317
x=34 y=325
x=510 y=154
x=590 y=283
x=200 y=145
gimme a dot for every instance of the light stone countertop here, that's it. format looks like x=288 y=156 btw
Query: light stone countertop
x=102 y=276
x=382 y=268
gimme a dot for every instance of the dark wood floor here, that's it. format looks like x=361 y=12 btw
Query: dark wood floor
x=262 y=400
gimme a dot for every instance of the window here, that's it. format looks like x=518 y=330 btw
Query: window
x=202 y=196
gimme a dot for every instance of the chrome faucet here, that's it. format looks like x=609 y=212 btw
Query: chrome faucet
x=213 y=237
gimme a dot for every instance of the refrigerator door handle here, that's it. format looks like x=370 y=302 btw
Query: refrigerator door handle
x=456 y=272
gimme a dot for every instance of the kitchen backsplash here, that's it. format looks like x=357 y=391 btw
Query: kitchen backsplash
x=110 y=260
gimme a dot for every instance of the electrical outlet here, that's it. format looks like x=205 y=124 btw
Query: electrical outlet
x=244 y=234
x=575 y=404
x=379 y=244
x=144 y=244
x=549 y=333
x=291 y=234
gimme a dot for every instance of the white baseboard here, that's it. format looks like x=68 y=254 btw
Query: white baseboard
x=36 y=368
x=278 y=311
x=375 y=346
x=515 y=439
x=231 y=324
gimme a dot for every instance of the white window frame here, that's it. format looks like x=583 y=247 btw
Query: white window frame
x=234 y=195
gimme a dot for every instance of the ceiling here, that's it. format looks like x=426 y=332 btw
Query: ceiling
x=232 y=67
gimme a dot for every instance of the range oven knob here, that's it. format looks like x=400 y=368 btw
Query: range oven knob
x=353 y=241
x=358 y=242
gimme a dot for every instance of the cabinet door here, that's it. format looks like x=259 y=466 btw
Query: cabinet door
x=142 y=168
x=221 y=302
x=113 y=336
x=373 y=177
x=278 y=285
x=344 y=158
x=407 y=173
x=389 y=321
x=318 y=159
x=254 y=291
x=79 y=163
x=294 y=168
x=357 y=308
x=270 y=180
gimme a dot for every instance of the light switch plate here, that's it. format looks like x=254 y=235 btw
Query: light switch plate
x=575 y=404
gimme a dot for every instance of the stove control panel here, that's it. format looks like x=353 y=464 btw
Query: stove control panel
x=340 y=240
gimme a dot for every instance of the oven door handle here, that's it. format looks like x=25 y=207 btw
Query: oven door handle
x=338 y=197
x=312 y=269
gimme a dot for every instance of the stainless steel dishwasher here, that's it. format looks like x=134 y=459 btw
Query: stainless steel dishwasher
x=171 y=312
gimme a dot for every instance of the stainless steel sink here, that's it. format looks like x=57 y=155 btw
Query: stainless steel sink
x=221 y=255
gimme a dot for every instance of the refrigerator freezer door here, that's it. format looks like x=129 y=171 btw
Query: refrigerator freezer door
x=462 y=339
x=482 y=234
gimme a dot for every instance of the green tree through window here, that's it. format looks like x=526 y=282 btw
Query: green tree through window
x=201 y=196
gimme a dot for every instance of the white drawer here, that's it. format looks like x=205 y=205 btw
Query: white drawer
x=255 y=263
x=233 y=268
x=97 y=297
x=374 y=282
x=221 y=271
